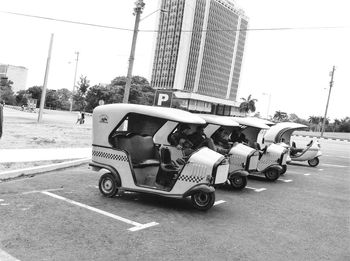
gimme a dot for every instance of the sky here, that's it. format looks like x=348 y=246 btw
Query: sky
x=286 y=70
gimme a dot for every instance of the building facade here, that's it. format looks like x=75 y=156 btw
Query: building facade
x=198 y=53
x=16 y=74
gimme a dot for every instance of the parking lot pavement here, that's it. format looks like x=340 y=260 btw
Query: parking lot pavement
x=62 y=215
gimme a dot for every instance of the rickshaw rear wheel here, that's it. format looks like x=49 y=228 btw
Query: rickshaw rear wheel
x=284 y=169
x=238 y=182
x=203 y=200
x=108 y=185
x=272 y=174
x=313 y=162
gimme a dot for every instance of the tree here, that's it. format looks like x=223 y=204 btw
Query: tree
x=79 y=96
x=63 y=97
x=96 y=93
x=248 y=105
x=6 y=93
x=35 y=91
x=21 y=97
x=280 y=116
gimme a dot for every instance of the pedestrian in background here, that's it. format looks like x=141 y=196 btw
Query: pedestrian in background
x=1 y=118
x=79 y=118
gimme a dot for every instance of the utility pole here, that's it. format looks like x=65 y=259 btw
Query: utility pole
x=43 y=92
x=137 y=12
x=329 y=94
x=75 y=79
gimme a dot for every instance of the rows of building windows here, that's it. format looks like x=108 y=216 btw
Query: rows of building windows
x=195 y=45
x=218 y=51
x=168 y=40
x=239 y=58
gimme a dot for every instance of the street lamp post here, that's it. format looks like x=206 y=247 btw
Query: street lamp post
x=75 y=79
x=43 y=92
x=329 y=94
x=268 y=105
x=139 y=5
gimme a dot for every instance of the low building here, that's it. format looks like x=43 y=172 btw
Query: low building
x=16 y=74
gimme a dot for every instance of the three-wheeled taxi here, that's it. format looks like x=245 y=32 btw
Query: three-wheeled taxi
x=272 y=158
x=281 y=134
x=125 y=147
x=241 y=157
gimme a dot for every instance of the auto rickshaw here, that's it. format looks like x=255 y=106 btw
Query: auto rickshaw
x=281 y=134
x=133 y=159
x=241 y=157
x=272 y=161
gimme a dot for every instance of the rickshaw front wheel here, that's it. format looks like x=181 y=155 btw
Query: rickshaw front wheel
x=203 y=200
x=108 y=185
x=313 y=162
x=238 y=182
x=272 y=174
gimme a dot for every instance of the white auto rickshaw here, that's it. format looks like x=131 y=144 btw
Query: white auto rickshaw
x=272 y=161
x=241 y=157
x=128 y=145
x=281 y=134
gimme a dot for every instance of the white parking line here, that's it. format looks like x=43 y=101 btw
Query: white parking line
x=219 y=202
x=137 y=226
x=285 y=180
x=332 y=165
x=307 y=174
x=7 y=257
x=320 y=170
x=255 y=189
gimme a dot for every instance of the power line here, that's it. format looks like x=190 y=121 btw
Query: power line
x=183 y=31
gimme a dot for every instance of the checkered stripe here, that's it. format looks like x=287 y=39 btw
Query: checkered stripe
x=107 y=155
x=195 y=179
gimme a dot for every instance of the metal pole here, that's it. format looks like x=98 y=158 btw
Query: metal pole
x=329 y=94
x=137 y=11
x=43 y=93
x=75 y=79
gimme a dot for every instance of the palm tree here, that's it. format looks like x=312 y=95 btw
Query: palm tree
x=248 y=105
x=280 y=116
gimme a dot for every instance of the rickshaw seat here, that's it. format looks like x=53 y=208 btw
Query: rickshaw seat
x=167 y=171
x=142 y=150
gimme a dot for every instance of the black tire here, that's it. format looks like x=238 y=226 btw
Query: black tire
x=272 y=174
x=203 y=200
x=313 y=162
x=284 y=169
x=108 y=185
x=238 y=182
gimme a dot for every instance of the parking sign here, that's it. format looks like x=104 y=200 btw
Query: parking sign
x=163 y=98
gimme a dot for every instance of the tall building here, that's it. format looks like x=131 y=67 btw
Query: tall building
x=16 y=74
x=198 y=53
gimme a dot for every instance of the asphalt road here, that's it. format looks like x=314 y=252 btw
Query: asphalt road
x=303 y=216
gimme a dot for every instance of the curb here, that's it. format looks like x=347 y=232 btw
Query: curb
x=41 y=169
x=324 y=138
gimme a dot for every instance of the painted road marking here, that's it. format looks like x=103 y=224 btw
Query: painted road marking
x=219 y=202
x=285 y=180
x=1 y=200
x=137 y=226
x=307 y=174
x=255 y=189
x=6 y=257
x=332 y=165
x=320 y=170
x=39 y=191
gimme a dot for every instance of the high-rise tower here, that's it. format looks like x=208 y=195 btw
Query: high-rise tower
x=198 y=52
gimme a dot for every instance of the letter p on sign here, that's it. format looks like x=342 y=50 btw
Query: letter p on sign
x=163 y=98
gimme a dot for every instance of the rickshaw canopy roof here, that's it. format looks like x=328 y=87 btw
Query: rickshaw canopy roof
x=219 y=120
x=121 y=109
x=251 y=122
x=281 y=128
